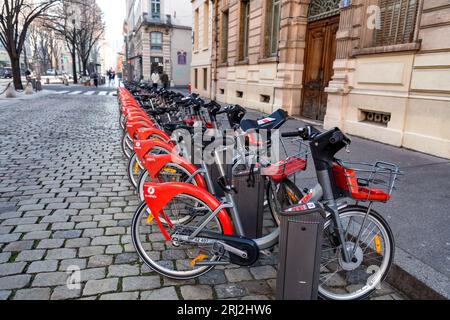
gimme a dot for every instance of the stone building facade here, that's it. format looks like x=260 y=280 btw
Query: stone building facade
x=158 y=38
x=202 y=15
x=379 y=69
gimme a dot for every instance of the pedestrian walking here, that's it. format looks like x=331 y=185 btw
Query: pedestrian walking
x=165 y=80
x=95 y=77
x=155 y=79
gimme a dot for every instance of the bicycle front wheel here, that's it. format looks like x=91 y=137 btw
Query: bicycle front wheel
x=373 y=256
x=174 y=260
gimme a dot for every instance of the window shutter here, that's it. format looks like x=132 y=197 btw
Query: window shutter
x=398 y=21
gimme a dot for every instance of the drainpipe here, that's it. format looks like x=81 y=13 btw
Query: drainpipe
x=215 y=33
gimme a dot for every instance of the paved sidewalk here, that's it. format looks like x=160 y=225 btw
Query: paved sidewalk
x=65 y=201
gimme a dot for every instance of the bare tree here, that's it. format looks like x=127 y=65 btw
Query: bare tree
x=61 y=20
x=45 y=45
x=92 y=31
x=79 y=23
x=15 y=19
x=55 y=49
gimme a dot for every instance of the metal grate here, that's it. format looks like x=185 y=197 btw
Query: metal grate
x=319 y=9
x=398 y=21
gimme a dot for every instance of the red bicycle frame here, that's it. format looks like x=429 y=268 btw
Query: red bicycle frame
x=157 y=196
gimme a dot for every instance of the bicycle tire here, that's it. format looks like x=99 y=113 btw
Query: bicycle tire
x=382 y=222
x=153 y=264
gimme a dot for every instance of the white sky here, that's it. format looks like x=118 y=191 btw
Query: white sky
x=114 y=14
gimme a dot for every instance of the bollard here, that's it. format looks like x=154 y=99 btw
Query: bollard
x=301 y=237
x=38 y=85
x=28 y=89
x=10 y=92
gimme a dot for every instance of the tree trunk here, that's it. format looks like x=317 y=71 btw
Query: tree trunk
x=84 y=63
x=25 y=55
x=17 y=77
x=74 y=67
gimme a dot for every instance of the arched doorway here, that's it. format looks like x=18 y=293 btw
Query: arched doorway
x=323 y=24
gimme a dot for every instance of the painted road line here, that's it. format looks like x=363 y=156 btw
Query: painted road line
x=103 y=93
x=75 y=92
x=112 y=93
x=61 y=92
x=89 y=93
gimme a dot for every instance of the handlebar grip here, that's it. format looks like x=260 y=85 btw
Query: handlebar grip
x=290 y=134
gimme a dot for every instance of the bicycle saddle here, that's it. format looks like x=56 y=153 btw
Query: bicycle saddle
x=272 y=122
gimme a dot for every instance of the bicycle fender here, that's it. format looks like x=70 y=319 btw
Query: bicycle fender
x=132 y=127
x=154 y=163
x=142 y=147
x=148 y=133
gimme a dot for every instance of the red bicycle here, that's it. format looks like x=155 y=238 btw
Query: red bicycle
x=358 y=243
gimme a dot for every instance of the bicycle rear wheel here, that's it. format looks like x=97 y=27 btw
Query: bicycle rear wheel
x=174 y=260
x=373 y=256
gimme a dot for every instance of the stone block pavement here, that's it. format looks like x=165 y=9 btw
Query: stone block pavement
x=65 y=201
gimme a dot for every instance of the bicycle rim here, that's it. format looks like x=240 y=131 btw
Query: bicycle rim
x=175 y=262
x=354 y=281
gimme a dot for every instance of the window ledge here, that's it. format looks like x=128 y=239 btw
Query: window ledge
x=222 y=64
x=268 y=59
x=414 y=46
x=241 y=63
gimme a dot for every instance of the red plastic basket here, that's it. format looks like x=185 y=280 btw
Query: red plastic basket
x=366 y=182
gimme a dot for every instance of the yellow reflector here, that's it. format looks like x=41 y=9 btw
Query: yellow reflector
x=377 y=244
x=168 y=170
x=136 y=168
x=292 y=196
x=150 y=219
x=201 y=257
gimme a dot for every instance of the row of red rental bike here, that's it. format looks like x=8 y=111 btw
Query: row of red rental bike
x=188 y=222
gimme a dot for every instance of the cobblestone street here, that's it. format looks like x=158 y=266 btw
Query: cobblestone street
x=65 y=201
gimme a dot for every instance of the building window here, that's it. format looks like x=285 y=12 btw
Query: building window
x=206 y=24
x=196 y=78
x=224 y=37
x=182 y=57
x=398 y=22
x=157 y=64
x=272 y=27
x=205 y=79
x=244 y=29
x=196 y=15
x=155 y=7
x=156 y=40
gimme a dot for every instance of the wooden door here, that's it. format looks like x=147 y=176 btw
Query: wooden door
x=319 y=58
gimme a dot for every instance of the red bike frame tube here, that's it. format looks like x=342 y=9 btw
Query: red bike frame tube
x=157 y=196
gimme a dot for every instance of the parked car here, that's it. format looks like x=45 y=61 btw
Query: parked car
x=6 y=73
x=51 y=72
